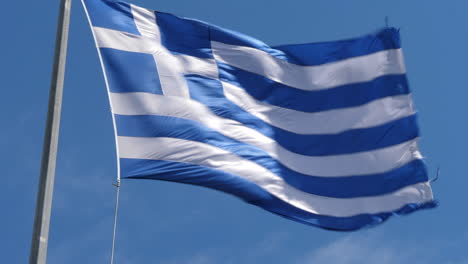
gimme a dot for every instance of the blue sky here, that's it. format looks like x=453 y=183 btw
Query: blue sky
x=164 y=222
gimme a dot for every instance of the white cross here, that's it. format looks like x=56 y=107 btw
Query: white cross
x=171 y=68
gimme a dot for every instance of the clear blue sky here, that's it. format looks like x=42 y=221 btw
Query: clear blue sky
x=164 y=222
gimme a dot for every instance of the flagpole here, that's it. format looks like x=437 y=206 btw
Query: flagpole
x=40 y=234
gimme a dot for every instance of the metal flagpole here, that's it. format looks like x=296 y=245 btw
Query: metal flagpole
x=49 y=152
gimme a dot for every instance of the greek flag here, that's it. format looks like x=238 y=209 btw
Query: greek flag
x=321 y=133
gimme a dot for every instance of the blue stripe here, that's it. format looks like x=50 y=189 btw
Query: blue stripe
x=251 y=193
x=332 y=51
x=350 y=141
x=184 y=36
x=112 y=15
x=123 y=76
x=339 y=187
x=315 y=53
x=267 y=91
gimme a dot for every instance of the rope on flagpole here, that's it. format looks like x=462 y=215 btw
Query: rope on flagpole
x=436 y=177
x=117 y=185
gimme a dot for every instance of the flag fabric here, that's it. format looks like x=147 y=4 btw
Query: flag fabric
x=321 y=133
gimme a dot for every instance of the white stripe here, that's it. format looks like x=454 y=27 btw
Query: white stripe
x=377 y=161
x=209 y=156
x=334 y=121
x=353 y=70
